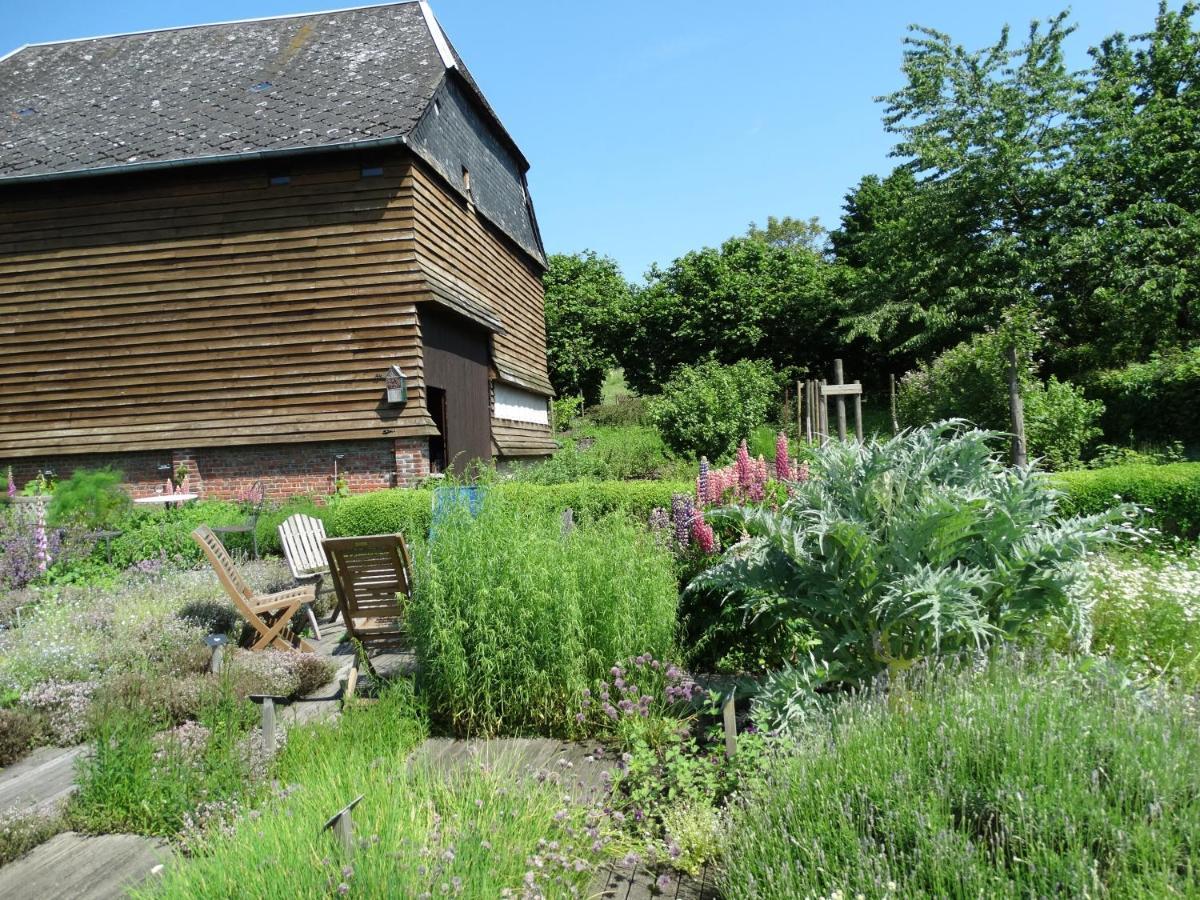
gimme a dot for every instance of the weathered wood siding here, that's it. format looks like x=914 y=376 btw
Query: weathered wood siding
x=207 y=307
x=450 y=235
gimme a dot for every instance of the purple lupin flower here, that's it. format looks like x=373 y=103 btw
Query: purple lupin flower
x=682 y=511
x=12 y=485
x=702 y=496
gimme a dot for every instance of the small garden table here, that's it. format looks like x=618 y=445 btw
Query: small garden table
x=167 y=499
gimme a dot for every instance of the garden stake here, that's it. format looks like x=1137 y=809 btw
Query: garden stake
x=268 y=722
x=730 y=719
x=568 y=519
x=342 y=824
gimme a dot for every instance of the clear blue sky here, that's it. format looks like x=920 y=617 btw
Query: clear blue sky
x=658 y=126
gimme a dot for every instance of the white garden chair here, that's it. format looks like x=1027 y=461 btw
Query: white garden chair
x=301 y=537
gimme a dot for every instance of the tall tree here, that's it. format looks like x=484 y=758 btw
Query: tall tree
x=586 y=300
x=749 y=299
x=1128 y=237
x=791 y=234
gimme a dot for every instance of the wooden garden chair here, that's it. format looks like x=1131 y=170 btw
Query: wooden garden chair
x=301 y=537
x=270 y=615
x=373 y=580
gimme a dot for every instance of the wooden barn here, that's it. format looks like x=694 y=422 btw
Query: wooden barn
x=269 y=250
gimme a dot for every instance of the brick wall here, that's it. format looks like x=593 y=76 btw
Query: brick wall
x=284 y=469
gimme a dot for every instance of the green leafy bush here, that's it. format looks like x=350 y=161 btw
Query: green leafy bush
x=1013 y=781
x=897 y=550
x=410 y=511
x=970 y=381
x=92 y=498
x=1153 y=401
x=705 y=410
x=167 y=533
x=624 y=409
x=1169 y=494
x=512 y=619
x=603 y=454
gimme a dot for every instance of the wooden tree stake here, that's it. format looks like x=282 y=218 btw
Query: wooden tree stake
x=892 y=394
x=729 y=717
x=838 y=378
x=858 y=428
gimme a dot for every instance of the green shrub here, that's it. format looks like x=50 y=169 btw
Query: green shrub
x=1154 y=401
x=512 y=619
x=167 y=533
x=603 y=454
x=1014 y=781
x=92 y=498
x=267 y=530
x=1171 y=493
x=410 y=511
x=970 y=381
x=20 y=731
x=624 y=409
x=898 y=550
x=705 y=410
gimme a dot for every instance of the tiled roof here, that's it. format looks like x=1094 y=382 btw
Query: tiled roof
x=307 y=82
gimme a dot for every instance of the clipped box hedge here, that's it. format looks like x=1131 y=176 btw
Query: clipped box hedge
x=410 y=511
x=1171 y=491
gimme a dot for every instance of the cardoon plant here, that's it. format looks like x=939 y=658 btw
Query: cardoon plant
x=907 y=548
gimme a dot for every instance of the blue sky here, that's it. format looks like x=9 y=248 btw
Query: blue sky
x=659 y=126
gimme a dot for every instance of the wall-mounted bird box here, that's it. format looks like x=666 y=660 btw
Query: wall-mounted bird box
x=397 y=386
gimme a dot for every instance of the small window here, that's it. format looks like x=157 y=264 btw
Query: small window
x=466 y=180
x=281 y=179
x=372 y=171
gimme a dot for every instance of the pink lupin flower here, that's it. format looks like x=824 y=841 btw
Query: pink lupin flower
x=703 y=535
x=783 y=468
x=12 y=485
x=743 y=466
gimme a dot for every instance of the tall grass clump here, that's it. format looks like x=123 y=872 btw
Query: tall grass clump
x=480 y=831
x=514 y=616
x=1014 y=780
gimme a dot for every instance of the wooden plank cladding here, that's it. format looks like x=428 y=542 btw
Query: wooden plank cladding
x=208 y=307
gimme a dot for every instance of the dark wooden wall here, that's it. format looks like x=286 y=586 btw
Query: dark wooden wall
x=456 y=360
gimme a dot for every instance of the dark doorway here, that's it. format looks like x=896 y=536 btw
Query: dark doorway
x=436 y=401
x=456 y=378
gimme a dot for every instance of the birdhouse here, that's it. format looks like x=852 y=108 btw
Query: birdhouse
x=397 y=386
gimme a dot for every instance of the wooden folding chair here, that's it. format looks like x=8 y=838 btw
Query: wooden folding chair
x=373 y=579
x=269 y=614
x=301 y=537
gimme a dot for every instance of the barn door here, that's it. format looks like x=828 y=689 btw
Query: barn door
x=456 y=371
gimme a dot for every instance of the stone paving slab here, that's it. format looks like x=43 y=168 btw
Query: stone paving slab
x=41 y=782
x=73 y=866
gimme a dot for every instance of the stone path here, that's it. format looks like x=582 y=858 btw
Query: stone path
x=40 y=783
x=77 y=867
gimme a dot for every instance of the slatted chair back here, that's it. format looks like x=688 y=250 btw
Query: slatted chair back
x=301 y=537
x=373 y=578
x=227 y=573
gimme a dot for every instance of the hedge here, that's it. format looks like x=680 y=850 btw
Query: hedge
x=1154 y=401
x=410 y=511
x=1171 y=491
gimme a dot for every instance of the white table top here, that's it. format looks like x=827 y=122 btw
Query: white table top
x=166 y=498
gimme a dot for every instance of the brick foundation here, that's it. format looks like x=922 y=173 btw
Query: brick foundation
x=222 y=473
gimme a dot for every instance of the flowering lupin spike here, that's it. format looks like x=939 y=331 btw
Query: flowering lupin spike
x=42 y=554
x=783 y=468
x=12 y=485
x=760 y=472
x=703 y=534
x=744 y=467
x=682 y=511
x=702 y=482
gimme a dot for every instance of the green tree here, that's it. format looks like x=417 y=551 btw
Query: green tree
x=586 y=299
x=749 y=299
x=1128 y=237
x=790 y=234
